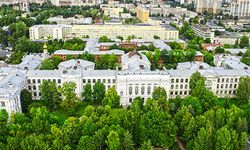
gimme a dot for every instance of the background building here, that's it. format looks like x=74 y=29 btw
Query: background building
x=140 y=30
x=142 y=13
x=240 y=8
x=212 y=6
x=49 y=31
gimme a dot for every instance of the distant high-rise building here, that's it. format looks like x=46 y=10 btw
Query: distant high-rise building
x=240 y=8
x=24 y=5
x=211 y=6
x=142 y=13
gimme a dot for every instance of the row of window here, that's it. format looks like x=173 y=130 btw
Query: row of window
x=226 y=86
x=143 y=90
x=34 y=81
x=182 y=80
x=181 y=86
x=100 y=80
x=227 y=80
x=225 y=92
x=179 y=93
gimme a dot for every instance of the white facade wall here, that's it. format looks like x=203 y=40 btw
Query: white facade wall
x=130 y=85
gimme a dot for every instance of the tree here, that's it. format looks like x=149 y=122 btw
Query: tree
x=203 y=140
x=112 y=98
x=104 y=39
x=193 y=104
x=219 y=50
x=87 y=143
x=127 y=142
x=246 y=57
x=157 y=127
x=159 y=93
x=244 y=41
x=243 y=89
x=3 y=125
x=113 y=140
x=50 y=94
x=146 y=146
x=70 y=98
x=47 y=65
x=194 y=79
x=223 y=139
x=26 y=100
x=156 y=37
x=98 y=92
x=87 y=93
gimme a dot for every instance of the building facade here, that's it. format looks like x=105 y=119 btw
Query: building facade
x=240 y=8
x=212 y=6
x=142 y=13
x=143 y=31
x=203 y=31
x=38 y=32
x=131 y=84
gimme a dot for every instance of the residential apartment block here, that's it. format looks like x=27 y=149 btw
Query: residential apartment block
x=212 y=6
x=240 y=8
x=144 y=31
x=38 y=32
x=203 y=31
x=142 y=13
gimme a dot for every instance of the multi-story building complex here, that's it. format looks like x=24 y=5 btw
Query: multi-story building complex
x=49 y=31
x=133 y=81
x=230 y=62
x=144 y=31
x=75 y=2
x=240 y=8
x=112 y=12
x=203 y=31
x=12 y=82
x=212 y=6
x=70 y=21
x=142 y=13
x=131 y=84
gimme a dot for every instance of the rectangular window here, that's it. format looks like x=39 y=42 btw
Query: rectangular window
x=28 y=81
x=2 y=104
x=172 y=80
x=84 y=81
x=34 y=80
x=38 y=81
x=113 y=80
x=109 y=81
x=59 y=81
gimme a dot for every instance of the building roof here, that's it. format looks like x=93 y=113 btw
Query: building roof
x=30 y=62
x=68 y=52
x=193 y=66
x=75 y=63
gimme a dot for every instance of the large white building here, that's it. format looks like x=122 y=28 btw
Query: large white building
x=12 y=82
x=134 y=79
x=38 y=32
x=212 y=6
x=75 y=2
x=203 y=31
x=240 y=8
x=144 y=31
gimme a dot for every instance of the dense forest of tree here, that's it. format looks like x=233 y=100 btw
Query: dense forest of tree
x=60 y=120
